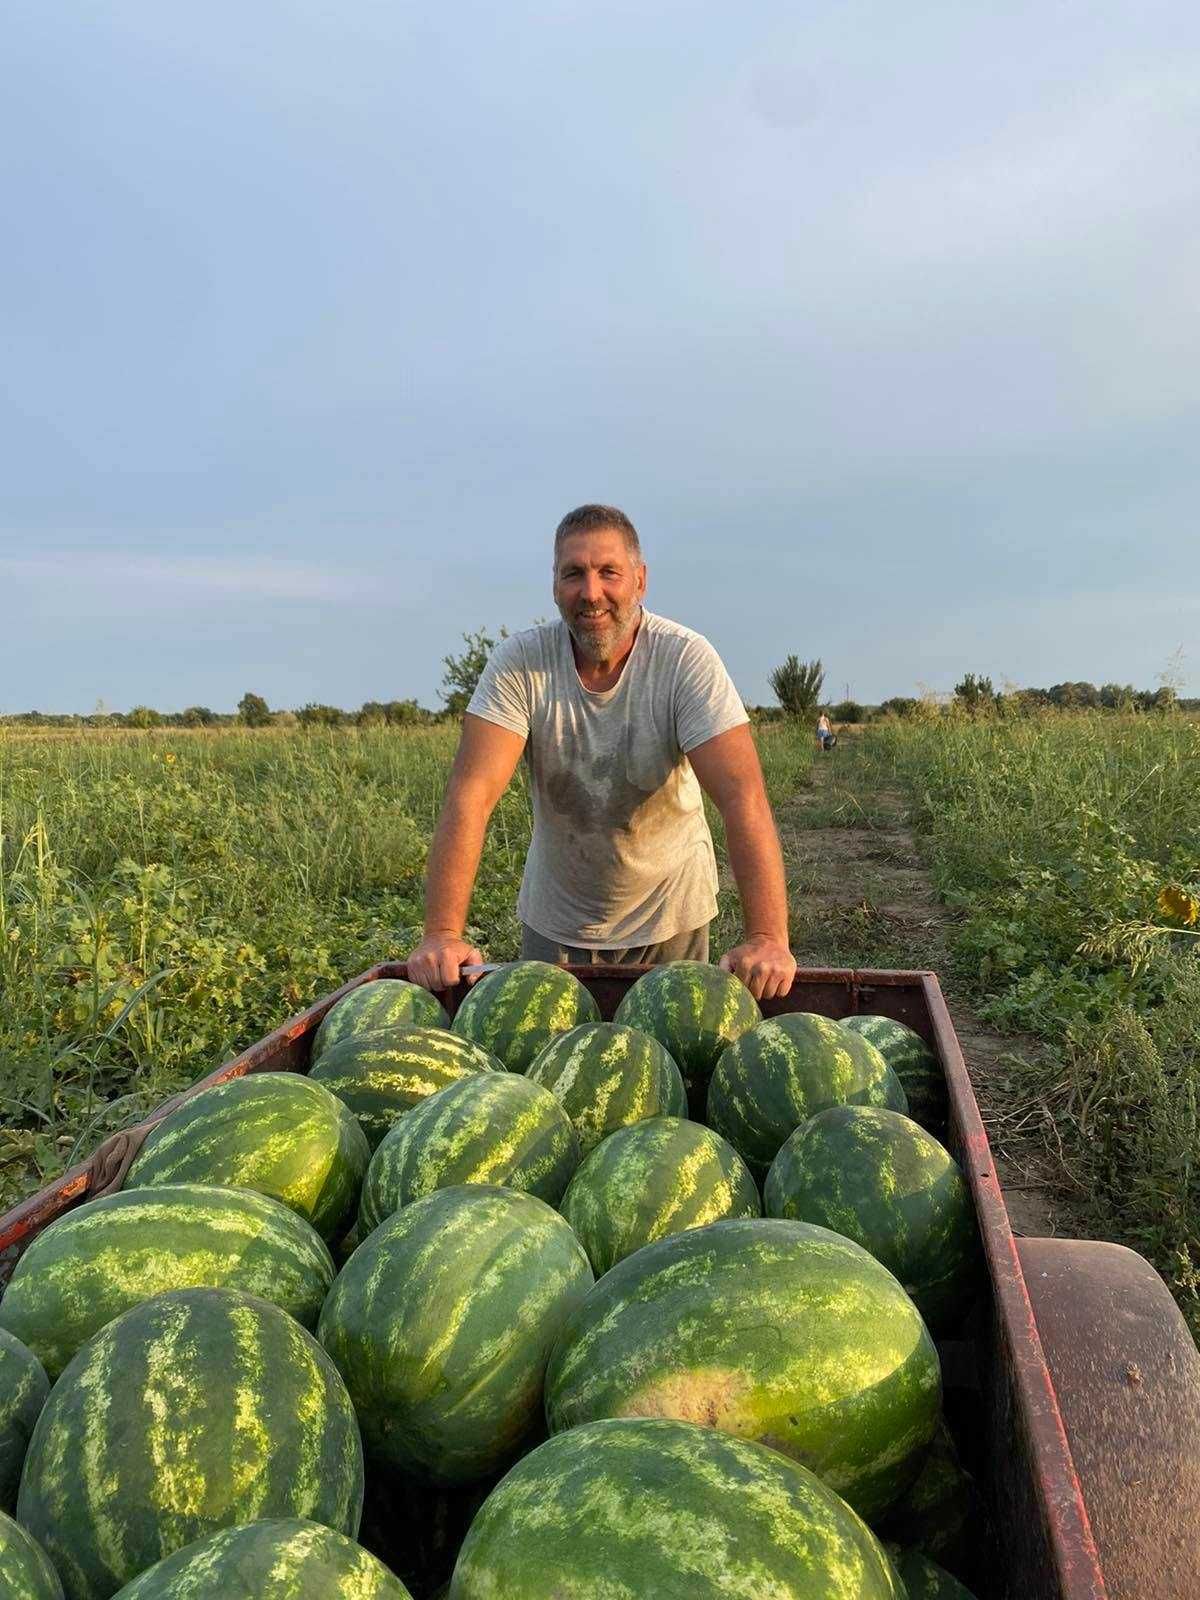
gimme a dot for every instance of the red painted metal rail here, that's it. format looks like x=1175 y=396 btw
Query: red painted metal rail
x=1046 y=1550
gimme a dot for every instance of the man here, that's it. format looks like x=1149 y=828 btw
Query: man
x=618 y=713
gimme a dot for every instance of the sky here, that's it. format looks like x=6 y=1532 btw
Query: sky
x=881 y=322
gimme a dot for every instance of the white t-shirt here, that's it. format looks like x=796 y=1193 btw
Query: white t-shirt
x=621 y=852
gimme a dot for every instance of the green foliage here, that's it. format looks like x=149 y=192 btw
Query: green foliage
x=463 y=672
x=797 y=685
x=975 y=694
x=143 y=717
x=899 y=705
x=848 y=711
x=254 y=710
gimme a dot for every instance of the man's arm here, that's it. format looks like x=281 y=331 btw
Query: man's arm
x=486 y=759
x=729 y=772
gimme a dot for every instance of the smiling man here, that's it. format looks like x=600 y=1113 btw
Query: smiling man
x=623 y=717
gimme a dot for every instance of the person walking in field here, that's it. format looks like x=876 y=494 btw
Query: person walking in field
x=623 y=719
x=824 y=734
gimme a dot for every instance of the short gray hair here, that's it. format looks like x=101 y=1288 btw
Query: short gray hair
x=594 y=519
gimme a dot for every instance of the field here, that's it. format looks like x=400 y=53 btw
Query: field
x=165 y=898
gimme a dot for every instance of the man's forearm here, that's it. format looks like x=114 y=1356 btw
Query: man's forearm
x=757 y=863
x=453 y=863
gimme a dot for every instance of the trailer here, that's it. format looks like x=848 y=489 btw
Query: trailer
x=1076 y=1387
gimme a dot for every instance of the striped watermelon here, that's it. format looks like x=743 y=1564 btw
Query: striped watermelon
x=913 y=1062
x=382 y=1075
x=516 y=1011
x=442 y=1321
x=284 y=1559
x=880 y=1179
x=925 y=1580
x=24 y=1387
x=197 y=1410
x=694 y=1010
x=665 y=1510
x=608 y=1076
x=653 y=1179
x=277 y=1132
x=935 y=1512
x=784 y=1071
x=25 y=1569
x=494 y=1128
x=96 y=1262
x=382 y=1003
x=780 y=1332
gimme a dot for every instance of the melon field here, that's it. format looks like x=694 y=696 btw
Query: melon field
x=166 y=898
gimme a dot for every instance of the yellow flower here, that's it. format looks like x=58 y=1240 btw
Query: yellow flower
x=1179 y=905
x=169 y=758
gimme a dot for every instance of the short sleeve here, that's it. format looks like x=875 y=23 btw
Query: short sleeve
x=706 y=702
x=502 y=694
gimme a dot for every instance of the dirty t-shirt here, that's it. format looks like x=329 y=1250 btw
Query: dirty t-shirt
x=621 y=852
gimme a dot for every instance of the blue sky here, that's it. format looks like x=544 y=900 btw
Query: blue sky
x=880 y=321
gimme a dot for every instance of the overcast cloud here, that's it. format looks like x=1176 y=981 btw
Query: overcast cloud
x=881 y=322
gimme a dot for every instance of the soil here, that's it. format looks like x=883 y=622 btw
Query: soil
x=861 y=896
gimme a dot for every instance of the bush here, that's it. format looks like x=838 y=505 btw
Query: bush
x=797 y=685
x=848 y=711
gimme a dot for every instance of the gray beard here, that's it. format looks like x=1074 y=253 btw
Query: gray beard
x=601 y=649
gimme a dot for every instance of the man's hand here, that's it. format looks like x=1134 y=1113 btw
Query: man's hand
x=764 y=965
x=436 y=961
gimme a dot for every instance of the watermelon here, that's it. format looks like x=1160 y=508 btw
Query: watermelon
x=913 y=1062
x=278 y=1559
x=96 y=1262
x=935 y=1512
x=655 y=1178
x=382 y=1075
x=668 y=1510
x=25 y=1569
x=277 y=1132
x=515 y=1011
x=784 y=1071
x=694 y=1010
x=781 y=1332
x=382 y=1003
x=607 y=1076
x=925 y=1580
x=197 y=1410
x=880 y=1179
x=493 y=1128
x=24 y=1387
x=442 y=1321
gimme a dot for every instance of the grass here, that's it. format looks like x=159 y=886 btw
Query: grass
x=167 y=898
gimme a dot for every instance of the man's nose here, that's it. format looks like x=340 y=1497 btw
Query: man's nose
x=592 y=589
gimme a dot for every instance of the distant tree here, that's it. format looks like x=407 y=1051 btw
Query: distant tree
x=405 y=713
x=898 y=705
x=254 y=710
x=1160 y=699
x=848 y=711
x=464 y=672
x=143 y=717
x=198 y=717
x=318 y=716
x=371 y=714
x=975 y=694
x=797 y=685
x=1118 y=696
x=1080 y=696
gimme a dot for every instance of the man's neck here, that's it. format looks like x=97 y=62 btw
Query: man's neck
x=600 y=675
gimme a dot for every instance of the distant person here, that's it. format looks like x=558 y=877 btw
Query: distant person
x=623 y=719
x=826 y=738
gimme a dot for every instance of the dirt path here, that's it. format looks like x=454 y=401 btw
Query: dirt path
x=861 y=896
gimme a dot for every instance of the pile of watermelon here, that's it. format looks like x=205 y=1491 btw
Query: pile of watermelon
x=566 y=1355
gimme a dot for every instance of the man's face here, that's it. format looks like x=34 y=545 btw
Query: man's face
x=598 y=588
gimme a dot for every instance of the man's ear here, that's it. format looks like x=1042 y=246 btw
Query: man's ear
x=642 y=582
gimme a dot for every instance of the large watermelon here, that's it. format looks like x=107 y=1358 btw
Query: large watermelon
x=25 y=1569
x=285 y=1559
x=516 y=1011
x=664 y=1510
x=493 y=1128
x=880 y=1179
x=382 y=1003
x=780 y=1332
x=96 y=1262
x=442 y=1321
x=277 y=1132
x=913 y=1062
x=655 y=1178
x=197 y=1410
x=784 y=1071
x=935 y=1513
x=607 y=1076
x=380 y=1076
x=24 y=1387
x=925 y=1580
x=694 y=1010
